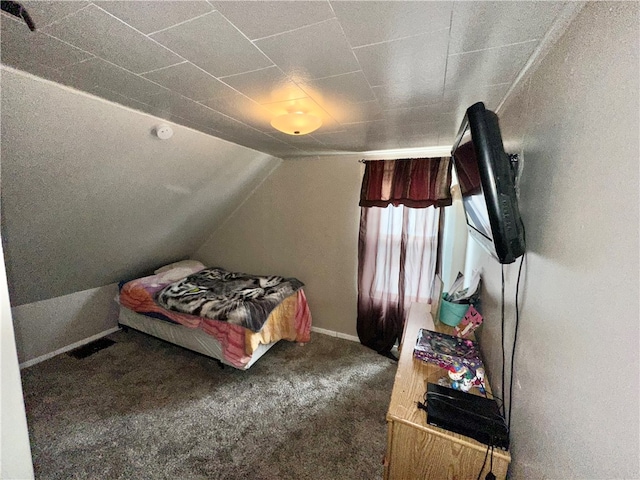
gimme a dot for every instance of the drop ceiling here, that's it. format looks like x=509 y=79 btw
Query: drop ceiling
x=380 y=75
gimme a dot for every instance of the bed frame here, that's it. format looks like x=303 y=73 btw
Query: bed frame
x=189 y=338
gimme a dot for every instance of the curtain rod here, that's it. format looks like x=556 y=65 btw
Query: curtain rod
x=365 y=160
x=405 y=153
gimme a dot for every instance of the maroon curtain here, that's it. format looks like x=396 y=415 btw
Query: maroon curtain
x=397 y=244
x=416 y=183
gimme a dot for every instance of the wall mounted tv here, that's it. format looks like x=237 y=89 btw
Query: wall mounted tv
x=487 y=182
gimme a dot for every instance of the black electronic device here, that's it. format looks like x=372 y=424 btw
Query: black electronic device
x=487 y=182
x=467 y=414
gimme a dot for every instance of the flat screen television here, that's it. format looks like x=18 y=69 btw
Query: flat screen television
x=487 y=182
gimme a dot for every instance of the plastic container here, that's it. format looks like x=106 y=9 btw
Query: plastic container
x=452 y=313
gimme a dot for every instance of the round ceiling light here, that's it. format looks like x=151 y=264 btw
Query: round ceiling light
x=296 y=123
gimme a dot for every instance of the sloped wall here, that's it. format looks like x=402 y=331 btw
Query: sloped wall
x=301 y=222
x=575 y=405
x=90 y=196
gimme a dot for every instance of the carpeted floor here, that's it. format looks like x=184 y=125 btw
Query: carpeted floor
x=144 y=409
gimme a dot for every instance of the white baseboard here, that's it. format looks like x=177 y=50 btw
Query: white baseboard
x=333 y=333
x=47 y=356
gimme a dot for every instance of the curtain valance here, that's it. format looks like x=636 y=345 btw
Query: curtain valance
x=415 y=182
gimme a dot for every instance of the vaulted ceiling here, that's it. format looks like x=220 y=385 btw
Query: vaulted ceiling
x=380 y=75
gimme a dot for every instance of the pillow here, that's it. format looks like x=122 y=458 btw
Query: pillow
x=183 y=264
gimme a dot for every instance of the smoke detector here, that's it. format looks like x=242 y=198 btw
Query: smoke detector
x=164 y=132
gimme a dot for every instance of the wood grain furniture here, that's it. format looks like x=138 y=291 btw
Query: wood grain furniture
x=416 y=450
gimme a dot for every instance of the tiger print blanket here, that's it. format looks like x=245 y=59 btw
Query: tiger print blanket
x=238 y=298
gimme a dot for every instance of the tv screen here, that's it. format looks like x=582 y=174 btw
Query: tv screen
x=487 y=183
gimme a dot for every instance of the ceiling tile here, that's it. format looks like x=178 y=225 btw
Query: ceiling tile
x=491 y=95
x=242 y=109
x=387 y=92
x=365 y=23
x=320 y=50
x=458 y=101
x=228 y=127
x=96 y=71
x=188 y=123
x=352 y=112
x=412 y=60
x=424 y=114
x=487 y=67
x=349 y=87
x=44 y=72
x=416 y=134
x=479 y=25
x=264 y=18
x=64 y=77
x=405 y=94
x=188 y=80
x=267 y=85
x=391 y=143
x=116 y=97
x=214 y=44
x=353 y=139
x=264 y=143
x=152 y=16
x=392 y=136
x=94 y=30
x=175 y=104
x=45 y=13
x=388 y=136
x=203 y=116
x=19 y=46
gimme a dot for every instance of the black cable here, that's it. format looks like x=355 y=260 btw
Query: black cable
x=483 y=463
x=490 y=475
x=515 y=334
x=491 y=464
x=515 y=337
x=502 y=330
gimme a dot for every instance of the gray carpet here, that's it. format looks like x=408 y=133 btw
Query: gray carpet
x=144 y=409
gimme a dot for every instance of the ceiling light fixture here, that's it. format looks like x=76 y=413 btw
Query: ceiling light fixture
x=296 y=123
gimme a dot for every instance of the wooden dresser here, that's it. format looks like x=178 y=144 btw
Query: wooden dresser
x=416 y=450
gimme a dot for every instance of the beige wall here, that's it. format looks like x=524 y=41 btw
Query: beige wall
x=575 y=406
x=91 y=196
x=51 y=325
x=302 y=222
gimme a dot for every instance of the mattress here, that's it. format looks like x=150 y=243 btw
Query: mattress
x=192 y=339
x=226 y=341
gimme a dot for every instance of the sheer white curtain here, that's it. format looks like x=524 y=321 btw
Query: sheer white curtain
x=397 y=261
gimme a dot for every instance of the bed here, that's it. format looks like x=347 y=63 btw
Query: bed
x=232 y=317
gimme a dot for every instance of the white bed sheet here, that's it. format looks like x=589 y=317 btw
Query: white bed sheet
x=190 y=338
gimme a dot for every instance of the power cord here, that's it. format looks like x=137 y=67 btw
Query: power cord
x=502 y=331
x=515 y=333
x=490 y=475
x=483 y=463
x=515 y=337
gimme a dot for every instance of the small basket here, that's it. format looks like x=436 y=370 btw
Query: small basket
x=452 y=313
